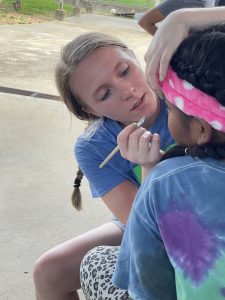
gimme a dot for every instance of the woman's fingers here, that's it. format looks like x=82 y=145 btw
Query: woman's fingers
x=162 y=48
x=154 y=151
x=128 y=141
x=152 y=75
x=144 y=143
x=139 y=146
x=134 y=143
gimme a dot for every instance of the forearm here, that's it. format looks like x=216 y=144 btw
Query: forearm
x=149 y=20
x=145 y=170
x=150 y=28
x=198 y=18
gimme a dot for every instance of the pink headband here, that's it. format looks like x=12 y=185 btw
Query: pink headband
x=193 y=101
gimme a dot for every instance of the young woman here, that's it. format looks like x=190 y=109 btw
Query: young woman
x=174 y=243
x=101 y=82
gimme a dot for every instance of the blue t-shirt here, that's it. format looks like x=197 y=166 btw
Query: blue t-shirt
x=174 y=243
x=167 y=6
x=92 y=149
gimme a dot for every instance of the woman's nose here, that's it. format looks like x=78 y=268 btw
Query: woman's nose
x=127 y=92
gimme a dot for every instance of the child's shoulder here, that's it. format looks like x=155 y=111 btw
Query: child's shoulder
x=184 y=167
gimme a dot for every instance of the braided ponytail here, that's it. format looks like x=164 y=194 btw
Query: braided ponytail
x=76 y=195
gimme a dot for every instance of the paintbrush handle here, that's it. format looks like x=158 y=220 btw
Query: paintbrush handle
x=115 y=150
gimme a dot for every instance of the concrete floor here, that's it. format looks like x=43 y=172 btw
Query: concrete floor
x=37 y=166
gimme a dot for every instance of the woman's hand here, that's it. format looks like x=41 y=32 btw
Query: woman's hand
x=140 y=146
x=171 y=32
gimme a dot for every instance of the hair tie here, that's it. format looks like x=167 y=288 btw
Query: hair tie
x=77 y=183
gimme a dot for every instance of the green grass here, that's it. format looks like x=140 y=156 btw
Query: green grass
x=138 y=3
x=36 y=7
x=46 y=8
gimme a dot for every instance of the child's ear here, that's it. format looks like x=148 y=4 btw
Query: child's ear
x=203 y=131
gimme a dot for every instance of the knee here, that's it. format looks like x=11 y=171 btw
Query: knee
x=45 y=270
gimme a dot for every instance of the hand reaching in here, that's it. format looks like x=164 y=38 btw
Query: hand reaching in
x=171 y=32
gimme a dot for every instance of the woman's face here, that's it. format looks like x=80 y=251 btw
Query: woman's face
x=111 y=83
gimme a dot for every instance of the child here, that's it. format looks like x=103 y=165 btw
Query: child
x=174 y=243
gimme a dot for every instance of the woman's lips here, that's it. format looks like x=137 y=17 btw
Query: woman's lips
x=137 y=103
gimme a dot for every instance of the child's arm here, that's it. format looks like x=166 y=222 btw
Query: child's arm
x=149 y=20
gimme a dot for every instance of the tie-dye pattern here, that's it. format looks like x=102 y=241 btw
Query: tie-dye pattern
x=174 y=243
x=191 y=246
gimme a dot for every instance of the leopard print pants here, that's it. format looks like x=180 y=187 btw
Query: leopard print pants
x=96 y=273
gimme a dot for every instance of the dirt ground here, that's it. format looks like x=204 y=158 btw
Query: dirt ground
x=15 y=18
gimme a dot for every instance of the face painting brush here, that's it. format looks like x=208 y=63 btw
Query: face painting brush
x=116 y=149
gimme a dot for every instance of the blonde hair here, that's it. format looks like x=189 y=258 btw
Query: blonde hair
x=72 y=54
x=76 y=195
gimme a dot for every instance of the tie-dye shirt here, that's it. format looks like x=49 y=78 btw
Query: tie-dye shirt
x=174 y=243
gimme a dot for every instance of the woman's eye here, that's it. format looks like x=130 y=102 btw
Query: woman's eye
x=106 y=95
x=125 y=72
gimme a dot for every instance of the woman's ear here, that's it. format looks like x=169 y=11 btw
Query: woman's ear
x=88 y=110
x=203 y=131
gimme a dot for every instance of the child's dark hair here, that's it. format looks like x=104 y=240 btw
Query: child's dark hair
x=200 y=60
x=76 y=196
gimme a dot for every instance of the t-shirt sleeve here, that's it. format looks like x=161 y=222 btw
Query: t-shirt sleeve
x=89 y=158
x=168 y=6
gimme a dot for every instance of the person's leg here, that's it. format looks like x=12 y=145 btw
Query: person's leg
x=96 y=271
x=57 y=272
